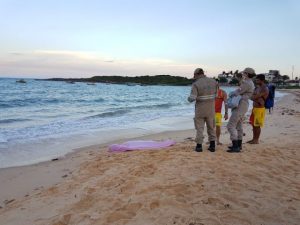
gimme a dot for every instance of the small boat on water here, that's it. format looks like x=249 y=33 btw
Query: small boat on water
x=70 y=82
x=21 y=81
x=90 y=83
x=131 y=84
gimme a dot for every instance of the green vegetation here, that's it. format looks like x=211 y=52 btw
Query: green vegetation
x=234 y=81
x=142 y=80
x=223 y=80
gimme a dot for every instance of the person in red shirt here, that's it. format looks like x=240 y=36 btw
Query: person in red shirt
x=220 y=98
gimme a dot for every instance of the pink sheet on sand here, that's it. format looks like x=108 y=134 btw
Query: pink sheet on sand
x=140 y=145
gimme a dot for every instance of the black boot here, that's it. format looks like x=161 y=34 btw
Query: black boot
x=235 y=147
x=212 y=146
x=239 y=144
x=198 y=148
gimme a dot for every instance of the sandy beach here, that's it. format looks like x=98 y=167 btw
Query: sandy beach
x=260 y=186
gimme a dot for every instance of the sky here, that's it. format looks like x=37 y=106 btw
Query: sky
x=84 y=38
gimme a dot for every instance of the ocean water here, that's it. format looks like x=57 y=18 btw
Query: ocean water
x=40 y=120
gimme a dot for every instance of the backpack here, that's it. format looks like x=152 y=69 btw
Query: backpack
x=269 y=103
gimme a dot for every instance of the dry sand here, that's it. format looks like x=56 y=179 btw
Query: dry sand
x=261 y=185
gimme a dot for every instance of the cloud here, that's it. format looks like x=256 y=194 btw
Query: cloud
x=67 y=54
x=16 y=53
x=49 y=63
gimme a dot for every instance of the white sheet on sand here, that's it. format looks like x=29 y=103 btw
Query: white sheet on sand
x=140 y=145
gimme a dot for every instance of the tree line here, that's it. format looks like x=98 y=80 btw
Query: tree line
x=142 y=80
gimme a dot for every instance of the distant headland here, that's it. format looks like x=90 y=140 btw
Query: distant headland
x=138 y=80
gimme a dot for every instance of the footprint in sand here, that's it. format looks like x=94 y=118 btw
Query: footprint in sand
x=194 y=221
x=252 y=177
x=155 y=204
x=65 y=220
x=217 y=203
x=211 y=201
x=90 y=190
x=290 y=213
x=234 y=202
x=126 y=212
x=128 y=186
x=231 y=219
x=144 y=171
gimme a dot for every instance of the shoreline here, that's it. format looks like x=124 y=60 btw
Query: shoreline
x=75 y=157
x=102 y=138
x=234 y=189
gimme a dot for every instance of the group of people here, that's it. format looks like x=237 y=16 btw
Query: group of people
x=209 y=99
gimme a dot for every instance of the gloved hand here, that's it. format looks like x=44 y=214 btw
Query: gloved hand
x=226 y=116
x=192 y=98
